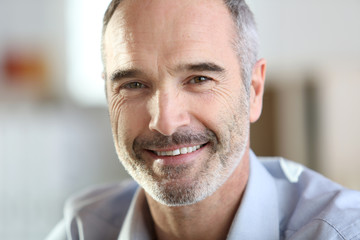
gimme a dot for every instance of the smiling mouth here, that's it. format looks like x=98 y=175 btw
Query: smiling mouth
x=179 y=151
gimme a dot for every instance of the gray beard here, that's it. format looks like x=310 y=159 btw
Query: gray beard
x=166 y=190
x=224 y=156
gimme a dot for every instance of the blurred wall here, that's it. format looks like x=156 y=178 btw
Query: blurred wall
x=312 y=47
x=307 y=34
x=50 y=147
x=48 y=152
x=35 y=26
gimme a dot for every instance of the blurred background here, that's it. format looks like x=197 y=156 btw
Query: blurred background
x=55 y=138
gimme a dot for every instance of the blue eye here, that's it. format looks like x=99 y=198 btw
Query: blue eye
x=134 y=85
x=199 y=79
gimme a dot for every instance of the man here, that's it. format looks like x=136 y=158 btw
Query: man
x=183 y=84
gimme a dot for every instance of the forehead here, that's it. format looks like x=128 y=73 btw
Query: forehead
x=168 y=29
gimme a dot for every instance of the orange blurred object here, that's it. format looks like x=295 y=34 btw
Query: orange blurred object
x=25 y=74
x=24 y=67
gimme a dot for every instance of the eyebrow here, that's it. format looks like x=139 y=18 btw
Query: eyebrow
x=125 y=73
x=201 y=67
x=198 y=67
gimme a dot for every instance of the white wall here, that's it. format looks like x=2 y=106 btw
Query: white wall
x=46 y=153
x=50 y=148
x=307 y=33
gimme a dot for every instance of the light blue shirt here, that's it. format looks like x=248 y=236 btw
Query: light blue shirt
x=282 y=200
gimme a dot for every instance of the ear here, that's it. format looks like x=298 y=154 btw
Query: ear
x=257 y=89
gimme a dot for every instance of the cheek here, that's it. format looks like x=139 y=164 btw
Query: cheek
x=224 y=111
x=223 y=101
x=127 y=119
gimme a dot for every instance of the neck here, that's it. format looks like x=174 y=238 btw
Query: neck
x=211 y=217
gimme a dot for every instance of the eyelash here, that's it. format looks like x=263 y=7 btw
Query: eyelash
x=139 y=85
x=130 y=85
x=203 y=79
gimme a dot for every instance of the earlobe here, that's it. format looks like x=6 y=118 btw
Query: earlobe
x=257 y=89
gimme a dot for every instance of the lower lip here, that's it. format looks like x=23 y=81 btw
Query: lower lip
x=176 y=160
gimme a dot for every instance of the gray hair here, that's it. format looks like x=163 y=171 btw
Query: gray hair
x=247 y=41
x=246 y=44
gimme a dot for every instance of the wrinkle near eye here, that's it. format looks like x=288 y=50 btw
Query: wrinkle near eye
x=115 y=104
x=226 y=98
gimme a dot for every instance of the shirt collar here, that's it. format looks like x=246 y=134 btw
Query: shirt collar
x=137 y=224
x=256 y=218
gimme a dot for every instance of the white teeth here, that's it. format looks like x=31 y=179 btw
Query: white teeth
x=179 y=151
x=183 y=150
x=176 y=152
x=189 y=149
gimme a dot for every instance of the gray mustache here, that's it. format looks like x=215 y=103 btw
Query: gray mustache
x=157 y=140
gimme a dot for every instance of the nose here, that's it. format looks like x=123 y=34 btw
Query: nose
x=168 y=112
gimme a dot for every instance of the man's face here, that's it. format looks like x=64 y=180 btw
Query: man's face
x=179 y=111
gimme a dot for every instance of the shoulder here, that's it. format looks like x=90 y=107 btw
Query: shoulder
x=312 y=206
x=99 y=211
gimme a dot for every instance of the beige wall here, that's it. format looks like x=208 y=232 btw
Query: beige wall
x=316 y=41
